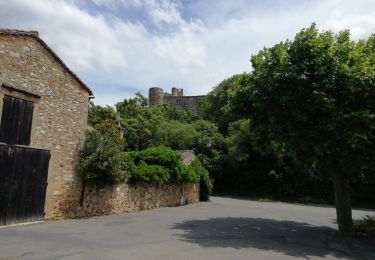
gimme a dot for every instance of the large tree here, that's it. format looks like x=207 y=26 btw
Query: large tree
x=98 y=114
x=215 y=108
x=313 y=98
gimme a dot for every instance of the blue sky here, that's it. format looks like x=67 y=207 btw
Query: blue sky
x=119 y=47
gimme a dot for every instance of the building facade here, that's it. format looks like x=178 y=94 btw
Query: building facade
x=38 y=90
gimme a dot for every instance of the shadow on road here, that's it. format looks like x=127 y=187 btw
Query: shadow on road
x=289 y=237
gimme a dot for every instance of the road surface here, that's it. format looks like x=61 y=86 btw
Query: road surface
x=222 y=229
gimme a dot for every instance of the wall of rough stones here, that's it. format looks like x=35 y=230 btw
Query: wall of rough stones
x=157 y=96
x=59 y=118
x=187 y=103
x=123 y=198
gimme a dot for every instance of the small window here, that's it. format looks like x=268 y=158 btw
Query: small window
x=16 y=121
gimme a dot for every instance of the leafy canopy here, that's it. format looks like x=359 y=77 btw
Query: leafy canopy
x=102 y=157
x=313 y=98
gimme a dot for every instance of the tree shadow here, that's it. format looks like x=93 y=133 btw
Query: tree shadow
x=288 y=237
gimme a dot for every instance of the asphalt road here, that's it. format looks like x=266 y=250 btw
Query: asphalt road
x=221 y=229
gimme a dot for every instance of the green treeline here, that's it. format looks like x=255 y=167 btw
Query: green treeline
x=248 y=172
x=147 y=152
x=299 y=127
x=303 y=113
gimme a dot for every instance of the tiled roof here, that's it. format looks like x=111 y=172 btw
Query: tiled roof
x=35 y=35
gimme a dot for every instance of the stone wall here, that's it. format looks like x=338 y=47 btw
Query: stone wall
x=187 y=103
x=123 y=198
x=59 y=118
x=187 y=156
x=157 y=96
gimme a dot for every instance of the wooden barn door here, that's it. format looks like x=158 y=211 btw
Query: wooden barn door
x=23 y=170
x=23 y=182
x=16 y=121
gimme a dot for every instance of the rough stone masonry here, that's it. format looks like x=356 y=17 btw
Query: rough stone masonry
x=157 y=96
x=30 y=70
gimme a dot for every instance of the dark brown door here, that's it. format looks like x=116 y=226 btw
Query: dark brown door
x=16 y=121
x=23 y=182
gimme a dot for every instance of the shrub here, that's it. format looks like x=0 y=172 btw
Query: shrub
x=206 y=184
x=150 y=173
x=162 y=165
x=366 y=227
x=189 y=174
x=368 y=221
x=161 y=155
x=155 y=164
x=102 y=159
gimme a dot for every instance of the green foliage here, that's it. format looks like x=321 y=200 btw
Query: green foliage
x=163 y=156
x=110 y=128
x=306 y=110
x=169 y=126
x=165 y=125
x=208 y=145
x=149 y=173
x=215 y=107
x=238 y=141
x=98 y=114
x=206 y=184
x=246 y=172
x=254 y=163
x=175 y=134
x=138 y=122
x=200 y=135
x=163 y=165
x=199 y=170
x=133 y=107
x=313 y=99
x=189 y=174
x=102 y=159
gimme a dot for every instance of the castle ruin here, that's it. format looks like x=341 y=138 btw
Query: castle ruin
x=157 y=96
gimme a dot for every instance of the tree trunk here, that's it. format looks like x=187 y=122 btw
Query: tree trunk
x=342 y=200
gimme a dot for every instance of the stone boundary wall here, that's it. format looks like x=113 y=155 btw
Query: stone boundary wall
x=122 y=198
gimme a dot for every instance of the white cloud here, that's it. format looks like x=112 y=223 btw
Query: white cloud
x=118 y=56
x=163 y=12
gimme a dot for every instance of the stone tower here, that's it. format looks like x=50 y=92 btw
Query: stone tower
x=177 y=92
x=155 y=96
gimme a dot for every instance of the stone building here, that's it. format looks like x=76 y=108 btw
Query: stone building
x=157 y=96
x=187 y=156
x=43 y=106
